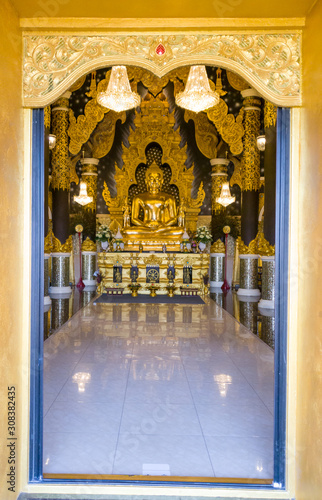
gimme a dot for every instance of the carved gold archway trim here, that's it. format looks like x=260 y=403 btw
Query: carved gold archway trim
x=269 y=62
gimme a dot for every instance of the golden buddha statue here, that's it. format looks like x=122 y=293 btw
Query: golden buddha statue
x=159 y=212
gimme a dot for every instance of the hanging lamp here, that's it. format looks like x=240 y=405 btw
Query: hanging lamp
x=83 y=198
x=119 y=96
x=225 y=197
x=197 y=96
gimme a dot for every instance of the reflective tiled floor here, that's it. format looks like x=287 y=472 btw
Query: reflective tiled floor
x=158 y=389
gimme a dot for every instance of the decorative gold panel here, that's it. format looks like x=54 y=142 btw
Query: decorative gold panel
x=268 y=61
x=270 y=114
x=230 y=129
x=205 y=132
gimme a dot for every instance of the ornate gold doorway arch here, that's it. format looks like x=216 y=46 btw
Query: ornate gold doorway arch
x=269 y=62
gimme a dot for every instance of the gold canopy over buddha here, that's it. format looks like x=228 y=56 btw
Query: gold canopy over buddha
x=158 y=224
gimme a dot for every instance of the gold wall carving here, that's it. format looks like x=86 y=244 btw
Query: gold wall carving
x=258 y=245
x=103 y=137
x=243 y=249
x=270 y=62
x=236 y=81
x=81 y=129
x=154 y=124
x=264 y=248
x=154 y=83
x=47 y=117
x=270 y=114
x=236 y=178
x=205 y=133
x=89 y=246
x=230 y=129
x=52 y=244
x=218 y=247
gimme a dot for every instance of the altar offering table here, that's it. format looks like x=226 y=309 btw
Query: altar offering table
x=152 y=267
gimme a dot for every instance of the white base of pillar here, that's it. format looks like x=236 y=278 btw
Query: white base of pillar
x=90 y=288
x=216 y=284
x=248 y=298
x=266 y=312
x=252 y=292
x=47 y=307
x=266 y=304
x=47 y=300
x=63 y=292
x=88 y=283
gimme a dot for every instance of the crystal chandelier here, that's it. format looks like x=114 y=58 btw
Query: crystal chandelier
x=225 y=197
x=197 y=96
x=83 y=198
x=261 y=142
x=119 y=96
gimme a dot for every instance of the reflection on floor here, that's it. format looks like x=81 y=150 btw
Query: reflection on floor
x=245 y=309
x=160 y=390
x=62 y=309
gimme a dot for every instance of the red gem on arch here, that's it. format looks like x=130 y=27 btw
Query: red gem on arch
x=160 y=50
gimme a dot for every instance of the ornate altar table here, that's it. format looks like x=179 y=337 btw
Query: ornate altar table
x=152 y=267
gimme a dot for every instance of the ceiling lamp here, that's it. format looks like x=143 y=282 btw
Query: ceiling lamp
x=119 y=96
x=261 y=142
x=225 y=197
x=197 y=96
x=83 y=198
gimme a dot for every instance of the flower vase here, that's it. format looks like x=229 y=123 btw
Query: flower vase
x=104 y=245
x=202 y=246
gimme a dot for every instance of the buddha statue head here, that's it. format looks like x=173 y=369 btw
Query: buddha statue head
x=154 y=178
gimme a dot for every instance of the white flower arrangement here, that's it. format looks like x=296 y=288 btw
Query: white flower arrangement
x=203 y=235
x=103 y=233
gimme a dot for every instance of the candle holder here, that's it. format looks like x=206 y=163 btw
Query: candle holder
x=134 y=287
x=153 y=289
x=171 y=289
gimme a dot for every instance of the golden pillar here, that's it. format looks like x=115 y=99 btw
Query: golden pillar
x=60 y=182
x=250 y=196
x=60 y=175
x=218 y=177
x=250 y=166
x=89 y=175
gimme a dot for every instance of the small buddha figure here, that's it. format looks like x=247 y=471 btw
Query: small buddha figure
x=159 y=210
x=126 y=214
x=181 y=216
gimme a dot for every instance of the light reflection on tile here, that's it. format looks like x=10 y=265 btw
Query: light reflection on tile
x=197 y=396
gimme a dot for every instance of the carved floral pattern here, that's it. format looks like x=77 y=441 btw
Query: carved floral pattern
x=271 y=60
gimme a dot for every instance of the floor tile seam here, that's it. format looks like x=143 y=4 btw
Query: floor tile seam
x=121 y=416
x=203 y=436
x=250 y=385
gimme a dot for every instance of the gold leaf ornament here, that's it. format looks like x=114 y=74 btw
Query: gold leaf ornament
x=81 y=129
x=89 y=245
x=217 y=247
x=230 y=129
x=205 y=133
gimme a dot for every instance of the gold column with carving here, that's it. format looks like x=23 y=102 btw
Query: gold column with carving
x=218 y=177
x=60 y=182
x=248 y=255
x=250 y=166
x=89 y=176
